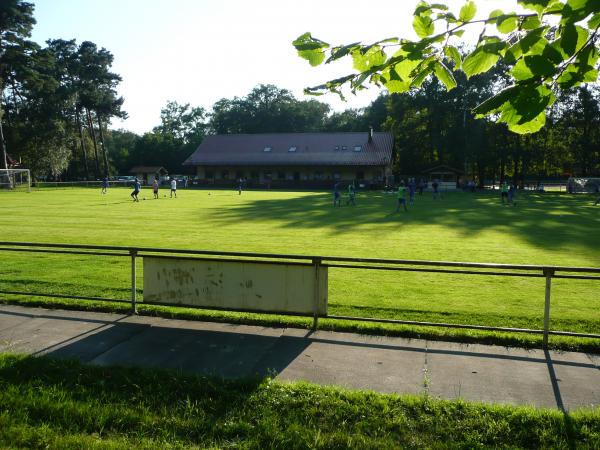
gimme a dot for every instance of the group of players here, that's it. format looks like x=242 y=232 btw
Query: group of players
x=137 y=187
x=411 y=186
x=507 y=191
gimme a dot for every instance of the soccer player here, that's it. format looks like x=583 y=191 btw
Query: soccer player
x=104 y=185
x=351 y=195
x=435 y=185
x=337 y=198
x=136 y=190
x=173 y=187
x=155 y=188
x=240 y=181
x=401 y=197
x=504 y=192
x=412 y=190
x=512 y=190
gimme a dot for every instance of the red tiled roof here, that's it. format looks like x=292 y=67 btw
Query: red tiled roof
x=312 y=149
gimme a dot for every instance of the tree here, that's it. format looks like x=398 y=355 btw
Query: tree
x=97 y=94
x=183 y=123
x=267 y=109
x=553 y=47
x=16 y=22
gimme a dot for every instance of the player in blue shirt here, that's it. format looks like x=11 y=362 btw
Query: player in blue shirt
x=136 y=190
x=104 y=185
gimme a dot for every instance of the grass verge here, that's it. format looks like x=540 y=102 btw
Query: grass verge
x=508 y=339
x=56 y=403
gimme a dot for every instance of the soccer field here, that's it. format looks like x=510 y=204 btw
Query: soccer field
x=551 y=228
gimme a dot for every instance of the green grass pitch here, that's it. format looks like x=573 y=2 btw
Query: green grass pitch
x=550 y=228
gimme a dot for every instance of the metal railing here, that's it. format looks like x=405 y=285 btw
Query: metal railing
x=446 y=267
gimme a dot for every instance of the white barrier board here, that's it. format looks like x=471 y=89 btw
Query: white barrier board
x=234 y=285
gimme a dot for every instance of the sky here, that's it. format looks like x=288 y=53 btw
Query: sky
x=199 y=51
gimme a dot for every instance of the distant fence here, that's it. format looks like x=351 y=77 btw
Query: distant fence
x=318 y=264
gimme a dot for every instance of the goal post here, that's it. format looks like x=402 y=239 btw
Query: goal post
x=15 y=179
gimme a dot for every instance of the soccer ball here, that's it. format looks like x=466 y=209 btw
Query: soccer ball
x=144 y=198
x=165 y=195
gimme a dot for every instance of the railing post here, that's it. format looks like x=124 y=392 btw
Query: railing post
x=133 y=254
x=317 y=264
x=548 y=273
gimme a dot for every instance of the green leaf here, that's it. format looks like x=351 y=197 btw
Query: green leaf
x=525 y=111
x=533 y=41
x=310 y=49
x=594 y=22
x=468 y=11
x=314 y=57
x=532 y=126
x=479 y=61
x=572 y=38
x=533 y=66
x=423 y=26
x=576 y=10
x=406 y=66
x=340 y=52
x=495 y=103
x=507 y=23
x=307 y=42
x=394 y=83
x=534 y=5
x=365 y=60
x=495 y=14
x=531 y=23
x=452 y=52
x=418 y=80
x=444 y=75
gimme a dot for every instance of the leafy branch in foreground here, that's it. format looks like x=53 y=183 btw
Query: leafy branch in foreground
x=553 y=47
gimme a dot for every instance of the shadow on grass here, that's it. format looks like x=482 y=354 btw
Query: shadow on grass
x=545 y=220
x=124 y=399
x=163 y=408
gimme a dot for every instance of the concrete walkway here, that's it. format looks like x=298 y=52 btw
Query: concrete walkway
x=447 y=370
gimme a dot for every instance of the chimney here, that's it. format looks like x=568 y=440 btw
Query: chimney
x=370 y=134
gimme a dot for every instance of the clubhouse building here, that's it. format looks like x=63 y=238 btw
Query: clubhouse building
x=293 y=159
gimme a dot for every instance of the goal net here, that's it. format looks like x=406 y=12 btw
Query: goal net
x=15 y=179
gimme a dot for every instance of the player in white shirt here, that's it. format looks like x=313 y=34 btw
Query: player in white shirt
x=173 y=187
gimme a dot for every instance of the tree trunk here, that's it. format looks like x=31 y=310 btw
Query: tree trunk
x=83 y=151
x=104 y=149
x=95 y=142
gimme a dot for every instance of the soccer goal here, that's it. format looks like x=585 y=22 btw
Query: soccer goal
x=15 y=179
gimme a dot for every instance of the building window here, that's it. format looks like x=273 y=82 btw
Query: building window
x=337 y=176
x=267 y=149
x=357 y=148
x=267 y=175
x=360 y=175
x=281 y=175
x=337 y=147
x=239 y=174
x=344 y=147
x=225 y=174
x=209 y=174
x=296 y=176
x=293 y=148
x=254 y=175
